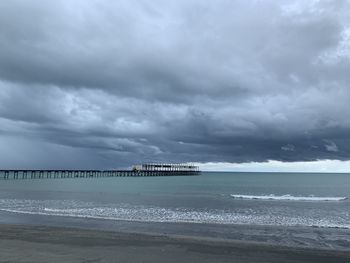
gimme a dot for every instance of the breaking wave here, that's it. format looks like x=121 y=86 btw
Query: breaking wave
x=288 y=197
x=141 y=213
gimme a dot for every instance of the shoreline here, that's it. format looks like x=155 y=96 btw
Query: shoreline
x=69 y=244
x=337 y=239
x=169 y=222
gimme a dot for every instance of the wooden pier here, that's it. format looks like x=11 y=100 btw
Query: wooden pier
x=137 y=171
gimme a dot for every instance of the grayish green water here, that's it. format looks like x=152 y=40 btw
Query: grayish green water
x=285 y=199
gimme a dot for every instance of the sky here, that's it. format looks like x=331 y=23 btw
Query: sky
x=229 y=85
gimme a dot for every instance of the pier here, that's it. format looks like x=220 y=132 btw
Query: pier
x=137 y=171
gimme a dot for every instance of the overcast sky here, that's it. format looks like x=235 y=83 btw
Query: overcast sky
x=106 y=84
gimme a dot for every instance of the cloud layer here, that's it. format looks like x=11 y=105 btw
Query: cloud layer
x=107 y=84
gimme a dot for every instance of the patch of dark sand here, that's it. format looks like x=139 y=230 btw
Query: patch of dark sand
x=57 y=244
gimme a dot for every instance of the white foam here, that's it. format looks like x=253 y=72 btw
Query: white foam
x=288 y=197
x=141 y=213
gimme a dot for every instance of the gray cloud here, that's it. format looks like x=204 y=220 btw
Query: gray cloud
x=112 y=84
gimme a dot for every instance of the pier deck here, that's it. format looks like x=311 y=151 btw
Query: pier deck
x=58 y=174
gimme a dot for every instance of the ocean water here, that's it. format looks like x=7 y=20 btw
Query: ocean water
x=273 y=199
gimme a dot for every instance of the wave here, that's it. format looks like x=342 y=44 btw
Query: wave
x=288 y=197
x=141 y=213
x=196 y=218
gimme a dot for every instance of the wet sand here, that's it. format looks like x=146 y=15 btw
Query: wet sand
x=56 y=244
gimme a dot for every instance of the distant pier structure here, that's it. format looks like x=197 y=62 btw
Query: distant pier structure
x=162 y=167
x=151 y=169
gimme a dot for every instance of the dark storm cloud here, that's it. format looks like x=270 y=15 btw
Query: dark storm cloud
x=114 y=83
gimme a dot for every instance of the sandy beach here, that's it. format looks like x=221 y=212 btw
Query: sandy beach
x=20 y=243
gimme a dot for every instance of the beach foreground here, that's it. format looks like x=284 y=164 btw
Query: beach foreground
x=56 y=244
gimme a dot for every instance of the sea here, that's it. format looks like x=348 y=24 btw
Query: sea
x=221 y=198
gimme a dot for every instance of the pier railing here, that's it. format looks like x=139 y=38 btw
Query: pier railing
x=56 y=174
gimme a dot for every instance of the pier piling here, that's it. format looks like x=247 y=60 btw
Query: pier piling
x=137 y=171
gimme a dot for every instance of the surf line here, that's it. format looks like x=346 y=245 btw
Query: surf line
x=287 y=198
